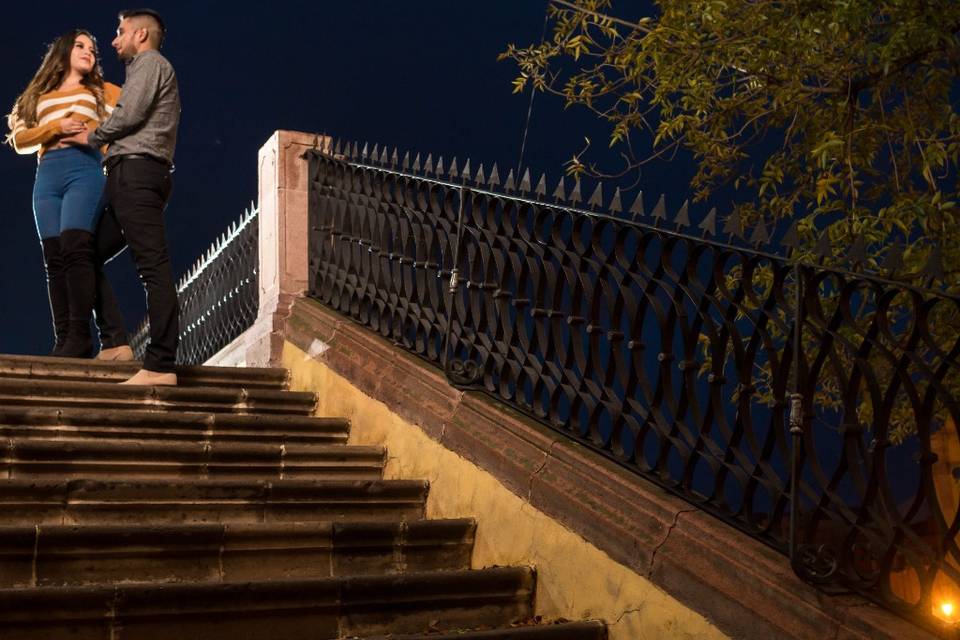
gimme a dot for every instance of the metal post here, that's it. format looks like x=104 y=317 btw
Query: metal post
x=454 y=281
x=796 y=415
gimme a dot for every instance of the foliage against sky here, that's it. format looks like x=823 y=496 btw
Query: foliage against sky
x=841 y=114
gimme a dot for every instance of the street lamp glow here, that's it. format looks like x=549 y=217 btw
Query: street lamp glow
x=947 y=609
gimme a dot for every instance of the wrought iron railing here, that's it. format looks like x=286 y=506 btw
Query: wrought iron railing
x=672 y=355
x=218 y=296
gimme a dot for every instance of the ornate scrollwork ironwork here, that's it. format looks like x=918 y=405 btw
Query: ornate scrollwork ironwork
x=218 y=297
x=816 y=563
x=720 y=372
x=464 y=373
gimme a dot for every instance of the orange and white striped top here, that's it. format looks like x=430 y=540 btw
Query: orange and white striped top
x=52 y=108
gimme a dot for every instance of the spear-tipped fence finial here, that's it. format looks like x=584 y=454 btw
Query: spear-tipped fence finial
x=465 y=174
x=575 y=196
x=366 y=151
x=511 y=184
x=934 y=268
x=682 y=219
x=616 y=204
x=791 y=239
x=596 y=200
x=541 y=190
x=857 y=255
x=480 y=178
x=560 y=194
x=494 y=180
x=525 y=184
x=824 y=248
x=660 y=211
x=637 y=211
x=759 y=236
x=893 y=262
x=428 y=165
x=733 y=226
x=709 y=223
x=454 y=172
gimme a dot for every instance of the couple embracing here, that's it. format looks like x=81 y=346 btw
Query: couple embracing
x=105 y=158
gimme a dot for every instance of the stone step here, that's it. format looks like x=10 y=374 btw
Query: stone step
x=82 y=370
x=319 y=609
x=59 y=394
x=176 y=501
x=129 y=424
x=52 y=555
x=35 y=457
x=590 y=630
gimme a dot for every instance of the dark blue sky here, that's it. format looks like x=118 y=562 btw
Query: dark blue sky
x=420 y=75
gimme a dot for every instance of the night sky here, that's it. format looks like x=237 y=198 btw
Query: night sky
x=419 y=75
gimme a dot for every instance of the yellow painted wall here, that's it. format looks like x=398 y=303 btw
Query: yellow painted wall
x=575 y=579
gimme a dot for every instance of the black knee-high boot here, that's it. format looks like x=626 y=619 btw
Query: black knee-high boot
x=78 y=256
x=56 y=291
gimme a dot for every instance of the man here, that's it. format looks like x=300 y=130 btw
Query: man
x=142 y=133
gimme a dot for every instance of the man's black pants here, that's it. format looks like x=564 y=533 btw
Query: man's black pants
x=136 y=194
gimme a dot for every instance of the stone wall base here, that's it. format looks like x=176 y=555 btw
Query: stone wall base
x=683 y=573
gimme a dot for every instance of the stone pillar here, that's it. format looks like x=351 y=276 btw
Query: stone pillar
x=283 y=274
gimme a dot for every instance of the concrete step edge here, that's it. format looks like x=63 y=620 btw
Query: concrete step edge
x=15 y=366
x=210 y=420
x=57 y=555
x=93 y=394
x=585 y=630
x=46 y=449
x=431 y=591
x=80 y=489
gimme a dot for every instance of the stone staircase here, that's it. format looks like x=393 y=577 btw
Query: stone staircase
x=222 y=508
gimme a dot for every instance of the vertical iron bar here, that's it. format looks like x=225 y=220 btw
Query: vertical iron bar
x=454 y=279
x=796 y=415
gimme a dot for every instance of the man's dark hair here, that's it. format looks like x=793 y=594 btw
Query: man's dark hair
x=134 y=13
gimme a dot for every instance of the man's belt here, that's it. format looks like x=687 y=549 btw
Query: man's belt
x=112 y=161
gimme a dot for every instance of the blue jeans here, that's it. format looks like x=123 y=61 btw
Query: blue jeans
x=68 y=191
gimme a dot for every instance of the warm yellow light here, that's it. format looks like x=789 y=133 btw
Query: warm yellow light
x=947 y=609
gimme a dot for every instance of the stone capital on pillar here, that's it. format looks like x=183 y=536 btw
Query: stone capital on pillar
x=283 y=269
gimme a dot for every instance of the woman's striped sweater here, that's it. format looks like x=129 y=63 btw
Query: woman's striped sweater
x=52 y=108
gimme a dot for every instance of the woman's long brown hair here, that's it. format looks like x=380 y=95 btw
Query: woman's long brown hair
x=53 y=70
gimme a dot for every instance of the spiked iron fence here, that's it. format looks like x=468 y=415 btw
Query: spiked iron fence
x=218 y=296
x=814 y=408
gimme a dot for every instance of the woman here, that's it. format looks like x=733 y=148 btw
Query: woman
x=66 y=97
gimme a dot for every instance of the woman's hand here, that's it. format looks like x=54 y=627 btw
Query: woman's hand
x=77 y=138
x=72 y=126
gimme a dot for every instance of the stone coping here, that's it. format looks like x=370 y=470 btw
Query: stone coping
x=747 y=589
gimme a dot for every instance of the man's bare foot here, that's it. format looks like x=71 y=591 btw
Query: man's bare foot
x=123 y=353
x=147 y=378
